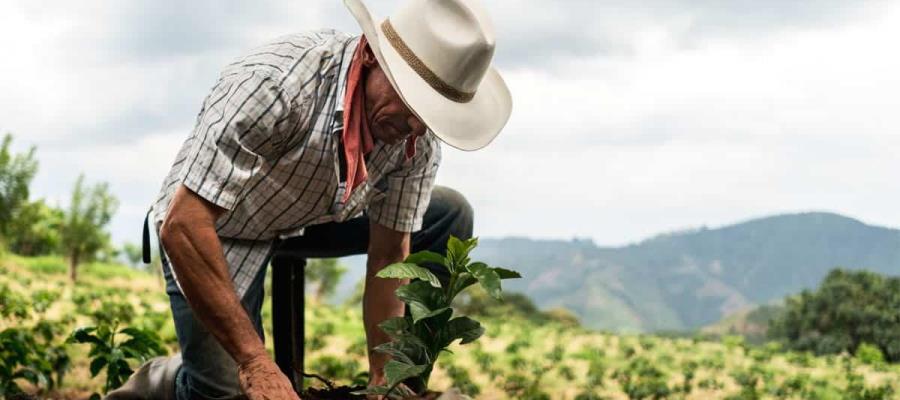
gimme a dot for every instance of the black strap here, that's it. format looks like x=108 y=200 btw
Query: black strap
x=146 y=241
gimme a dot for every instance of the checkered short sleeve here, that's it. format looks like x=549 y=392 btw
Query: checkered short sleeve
x=235 y=134
x=409 y=188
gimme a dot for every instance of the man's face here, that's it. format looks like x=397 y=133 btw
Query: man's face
x=389 y=119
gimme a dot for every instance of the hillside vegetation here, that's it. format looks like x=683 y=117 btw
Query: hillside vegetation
x=517 y=359
x=690 y=279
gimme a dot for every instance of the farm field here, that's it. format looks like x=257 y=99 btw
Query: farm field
x=516 y=358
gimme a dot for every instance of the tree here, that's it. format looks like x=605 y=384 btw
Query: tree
x=16 y=172
x=848 y=309
x=325 y=274
x=83 y=233
x=35 y=229
x=133 y=253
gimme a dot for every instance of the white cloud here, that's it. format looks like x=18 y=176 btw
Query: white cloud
x=618 y=148
x=661 y=118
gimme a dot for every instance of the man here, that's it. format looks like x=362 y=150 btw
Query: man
x=320 y=142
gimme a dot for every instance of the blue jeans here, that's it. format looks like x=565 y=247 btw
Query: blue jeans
x=209 y=372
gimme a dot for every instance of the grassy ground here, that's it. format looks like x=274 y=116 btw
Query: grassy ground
x=516 y=359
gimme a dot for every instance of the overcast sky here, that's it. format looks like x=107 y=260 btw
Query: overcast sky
x=630 y=118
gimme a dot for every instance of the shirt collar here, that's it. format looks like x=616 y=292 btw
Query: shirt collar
x=346 y=57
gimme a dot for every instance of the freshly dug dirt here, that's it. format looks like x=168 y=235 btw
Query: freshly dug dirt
x=332 y=392
x=337 y=393
x=346 y=393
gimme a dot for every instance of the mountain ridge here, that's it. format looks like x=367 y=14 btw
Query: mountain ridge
x=686 y=279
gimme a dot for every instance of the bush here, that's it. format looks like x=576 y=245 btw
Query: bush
x=848 y=308
x=869 y=354
x=418 y=338
x=28 y=349
x=641 y=379
x=110 y=352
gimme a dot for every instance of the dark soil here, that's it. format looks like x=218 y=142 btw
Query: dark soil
x=336 y=393
x=332 y=392
x=346 y=393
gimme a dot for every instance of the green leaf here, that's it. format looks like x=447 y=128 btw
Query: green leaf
x=507 y=273
x=135 y=333
x=406 y=270
x=487 y=277
x=85 y=335
x=463 y=328
x=97 y=365
x=426 y=256
x=412 y=348
x=396 y=371
x=435 y=313
x=394 y=327
x=399 y=351
x=458 y=252
x=422 y=299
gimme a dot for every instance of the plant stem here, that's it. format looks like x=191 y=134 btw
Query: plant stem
x=390 y=389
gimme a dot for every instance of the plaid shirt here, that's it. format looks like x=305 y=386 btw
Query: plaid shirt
x=265 y=148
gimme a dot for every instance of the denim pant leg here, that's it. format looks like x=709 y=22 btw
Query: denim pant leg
x=207 y=370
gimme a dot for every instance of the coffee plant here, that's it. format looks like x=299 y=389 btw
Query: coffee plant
x=642 y=379
x=28 y=349
x=417 y=339
x=110 y=352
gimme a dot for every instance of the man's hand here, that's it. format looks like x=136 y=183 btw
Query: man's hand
x=261 y=379
x=190 y=240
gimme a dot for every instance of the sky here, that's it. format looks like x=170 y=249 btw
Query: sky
x=629 y=118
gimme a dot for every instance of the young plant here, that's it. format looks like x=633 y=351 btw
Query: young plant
x=112 y=354
x=417 y=339
x=28 y=349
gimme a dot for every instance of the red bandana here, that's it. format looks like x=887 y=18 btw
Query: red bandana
x=357 y=137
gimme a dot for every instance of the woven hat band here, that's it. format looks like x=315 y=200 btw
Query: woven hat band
x=424 y=72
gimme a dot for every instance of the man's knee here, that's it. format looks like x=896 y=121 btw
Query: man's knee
x=451 y=202
x=453 y=211
x=208 y=376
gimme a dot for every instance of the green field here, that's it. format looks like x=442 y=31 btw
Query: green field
x=516 y=359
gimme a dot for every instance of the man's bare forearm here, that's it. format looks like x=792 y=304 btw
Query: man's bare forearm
x=199 y=263
x=379 y=304
x=386 y=246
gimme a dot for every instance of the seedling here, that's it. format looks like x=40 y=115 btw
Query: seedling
x=109 y=352
x=417 y=339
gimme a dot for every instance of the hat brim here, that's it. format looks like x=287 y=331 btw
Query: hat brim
x=467 y=126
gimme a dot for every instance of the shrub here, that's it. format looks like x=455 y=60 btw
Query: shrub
x=641 y=379
x=463 y=381
x=418 y=338
x=518 y=386
x=111 y=353
x=848 y=308
x=28 y=350
x=339 y=369
x=869 y=354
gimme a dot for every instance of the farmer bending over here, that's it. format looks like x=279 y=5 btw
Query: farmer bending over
x=319 y=142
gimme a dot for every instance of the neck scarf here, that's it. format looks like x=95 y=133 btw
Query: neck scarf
x=357 y=138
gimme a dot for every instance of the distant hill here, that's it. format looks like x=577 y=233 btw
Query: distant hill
x=752 y=324
x=689 y=279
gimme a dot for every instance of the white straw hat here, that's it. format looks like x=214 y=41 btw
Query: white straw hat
x=437 y=54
